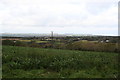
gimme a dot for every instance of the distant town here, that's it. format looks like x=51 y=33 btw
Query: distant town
x=58 y=37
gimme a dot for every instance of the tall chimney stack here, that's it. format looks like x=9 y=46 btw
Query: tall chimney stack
x=52 y=35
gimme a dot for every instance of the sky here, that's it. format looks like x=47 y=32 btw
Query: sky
x=97 y=17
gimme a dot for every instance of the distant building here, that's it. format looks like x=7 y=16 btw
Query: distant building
x=101 y=41
x=107 y=41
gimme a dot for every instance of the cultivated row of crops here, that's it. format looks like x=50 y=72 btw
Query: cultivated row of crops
x=59 y=63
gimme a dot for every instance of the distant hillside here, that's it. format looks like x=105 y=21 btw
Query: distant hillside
x=40 y=35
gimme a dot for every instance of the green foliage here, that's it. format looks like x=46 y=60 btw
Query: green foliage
x=13 y=43
x=74 y=45
x=57 y=63
x=7 y=42
x=93 y=46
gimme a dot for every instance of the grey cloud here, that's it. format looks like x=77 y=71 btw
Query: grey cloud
x=61 y=13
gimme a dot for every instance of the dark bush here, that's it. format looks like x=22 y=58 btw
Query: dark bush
x=7 y=42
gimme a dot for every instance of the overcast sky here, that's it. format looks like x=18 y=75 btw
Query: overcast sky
x=98 y=17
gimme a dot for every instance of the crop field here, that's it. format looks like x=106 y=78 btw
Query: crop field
x=36 y=41
x=41 y=41
x=25 y=40
x=29 y=62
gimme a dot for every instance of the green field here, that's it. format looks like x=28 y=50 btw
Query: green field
x=36 y=41
x=28 y=62
x=41 y=41
x=25 y=40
